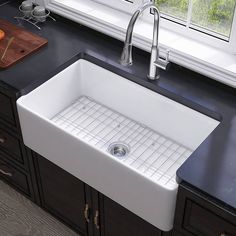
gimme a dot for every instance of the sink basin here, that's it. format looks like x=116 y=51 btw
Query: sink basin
x=122 y=139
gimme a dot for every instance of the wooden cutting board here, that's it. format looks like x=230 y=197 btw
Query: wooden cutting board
x=23 y=44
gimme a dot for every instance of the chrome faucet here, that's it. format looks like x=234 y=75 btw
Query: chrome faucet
x=155 y=61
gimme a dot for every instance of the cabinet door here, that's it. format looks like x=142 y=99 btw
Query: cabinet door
x=199 y=214
x=62 y=194
x=118 y=221
x=6 y=111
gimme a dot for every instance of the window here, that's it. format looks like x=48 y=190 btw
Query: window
x=174 y=8
x=212 y=15
x=198 y=17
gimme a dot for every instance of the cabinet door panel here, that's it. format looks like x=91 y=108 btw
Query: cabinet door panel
x=117 y=221
x=10 y=145
x=6 y=111
x=62 y=194
x=199 y=214
x=15 y=177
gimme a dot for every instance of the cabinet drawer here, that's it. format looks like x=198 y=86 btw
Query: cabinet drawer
x=11 y=146
x=14 y=177
x=6 y=111
x=202 y=221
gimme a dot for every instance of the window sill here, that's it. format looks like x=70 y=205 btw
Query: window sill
x=209 y=61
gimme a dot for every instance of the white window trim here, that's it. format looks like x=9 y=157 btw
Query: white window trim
x=122 y=5
x=209 y=61
x=204 y=36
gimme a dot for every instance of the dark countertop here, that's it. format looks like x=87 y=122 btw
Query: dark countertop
x=212 y=167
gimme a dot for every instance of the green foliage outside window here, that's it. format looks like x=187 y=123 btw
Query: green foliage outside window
x=177 y=8
x=215 y=15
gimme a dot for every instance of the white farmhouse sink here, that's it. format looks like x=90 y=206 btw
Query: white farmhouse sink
x=75 y=118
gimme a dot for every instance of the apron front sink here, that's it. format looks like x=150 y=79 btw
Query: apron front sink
x=122 y=139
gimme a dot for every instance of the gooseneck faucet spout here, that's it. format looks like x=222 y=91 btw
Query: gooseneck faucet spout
x=155 y=61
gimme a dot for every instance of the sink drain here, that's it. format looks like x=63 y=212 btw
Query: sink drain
x=119 y=150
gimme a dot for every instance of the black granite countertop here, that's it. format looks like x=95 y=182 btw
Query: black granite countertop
x=212 y=167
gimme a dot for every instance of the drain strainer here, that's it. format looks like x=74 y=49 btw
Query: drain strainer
x=119 y=150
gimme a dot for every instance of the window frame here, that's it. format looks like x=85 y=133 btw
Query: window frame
x=199 y=33
x=127 y=6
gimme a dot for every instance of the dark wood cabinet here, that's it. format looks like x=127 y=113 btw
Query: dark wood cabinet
x=175 y=233
x=199 y=215
x=12 y=148
x=6 y=111
x=62 y=194
x=16 y=166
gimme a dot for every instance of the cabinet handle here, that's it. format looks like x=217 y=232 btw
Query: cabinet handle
x=96 y=219
x=86 y=213
x=5 y=173
x=2 y=140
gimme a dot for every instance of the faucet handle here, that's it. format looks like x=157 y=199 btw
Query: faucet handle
x=164 y=64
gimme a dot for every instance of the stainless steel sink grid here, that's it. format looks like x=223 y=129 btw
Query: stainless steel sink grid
x=152 y=154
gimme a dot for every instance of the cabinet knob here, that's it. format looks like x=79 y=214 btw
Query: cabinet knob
x=86 y=213
x=2 y=140
x=96 y=219
x=5 y=173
